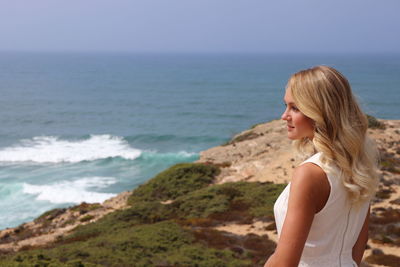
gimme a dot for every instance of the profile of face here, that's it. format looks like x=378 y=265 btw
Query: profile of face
x=298 y=125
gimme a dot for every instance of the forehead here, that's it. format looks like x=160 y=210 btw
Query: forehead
x=288 y=97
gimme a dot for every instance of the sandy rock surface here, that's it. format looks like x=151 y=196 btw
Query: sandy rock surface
x=259 y=154
x=264 y=153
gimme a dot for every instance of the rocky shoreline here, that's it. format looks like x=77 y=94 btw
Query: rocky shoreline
x=55 y=223
x=260 y=154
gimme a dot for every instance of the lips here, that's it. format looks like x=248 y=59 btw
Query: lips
x=290 y=128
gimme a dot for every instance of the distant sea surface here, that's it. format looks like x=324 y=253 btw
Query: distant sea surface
x=83 y=127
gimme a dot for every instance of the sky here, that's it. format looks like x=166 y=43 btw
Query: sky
x=220 y=26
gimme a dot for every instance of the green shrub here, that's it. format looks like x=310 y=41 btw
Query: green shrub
x=240 y=201
x=384 y=259
x=389 y=162
x=160 y=244
x=176 y=181
x=86 y=218
x=85 y=207
x=50 y=215
x=242 y=137
x=374 y=123
x=145 y=212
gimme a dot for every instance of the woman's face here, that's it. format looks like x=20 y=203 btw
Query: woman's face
x=298 y=125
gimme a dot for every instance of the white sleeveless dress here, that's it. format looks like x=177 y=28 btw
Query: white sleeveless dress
x=335 y=228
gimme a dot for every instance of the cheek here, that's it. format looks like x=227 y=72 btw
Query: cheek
x=308 y=126
x=304 y=123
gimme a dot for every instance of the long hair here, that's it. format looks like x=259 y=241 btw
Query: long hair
x=324 y=95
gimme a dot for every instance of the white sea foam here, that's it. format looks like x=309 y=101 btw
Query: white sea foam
x=72 y=191
x=181 y=155
x=187 y=154
x=50 y=149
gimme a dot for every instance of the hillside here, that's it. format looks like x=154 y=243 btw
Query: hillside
x=263 y=154
x=216 y=212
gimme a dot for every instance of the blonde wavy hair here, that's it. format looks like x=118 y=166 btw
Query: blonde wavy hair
x=324 y=95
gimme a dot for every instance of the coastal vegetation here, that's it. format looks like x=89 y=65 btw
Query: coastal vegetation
x=170 y=222
x=373 y=123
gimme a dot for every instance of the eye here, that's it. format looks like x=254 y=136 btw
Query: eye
x=295 y=108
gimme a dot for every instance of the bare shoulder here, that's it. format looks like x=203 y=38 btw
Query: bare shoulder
x=311 y=182
x=309 y=175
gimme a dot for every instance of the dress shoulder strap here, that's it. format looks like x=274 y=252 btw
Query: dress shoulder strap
x=331 y=171
x=316 y=159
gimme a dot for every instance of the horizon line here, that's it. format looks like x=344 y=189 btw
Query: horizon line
x=199 y=52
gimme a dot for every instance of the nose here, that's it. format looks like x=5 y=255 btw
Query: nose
x=285 y=115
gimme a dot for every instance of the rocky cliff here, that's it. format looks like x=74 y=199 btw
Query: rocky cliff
x=261 y=154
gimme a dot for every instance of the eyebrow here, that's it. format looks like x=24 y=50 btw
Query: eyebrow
x=292 y=103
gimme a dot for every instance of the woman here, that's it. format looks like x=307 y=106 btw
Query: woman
x=322 y=215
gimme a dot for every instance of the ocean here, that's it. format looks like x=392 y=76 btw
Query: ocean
x=86 y=126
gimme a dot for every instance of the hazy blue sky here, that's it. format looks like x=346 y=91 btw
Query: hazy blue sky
x=201 y=26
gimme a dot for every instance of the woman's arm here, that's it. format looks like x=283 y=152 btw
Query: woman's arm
x=309 y=191
x=361 y=243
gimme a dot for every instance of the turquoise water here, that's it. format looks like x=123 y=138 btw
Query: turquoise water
x=84 y=127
